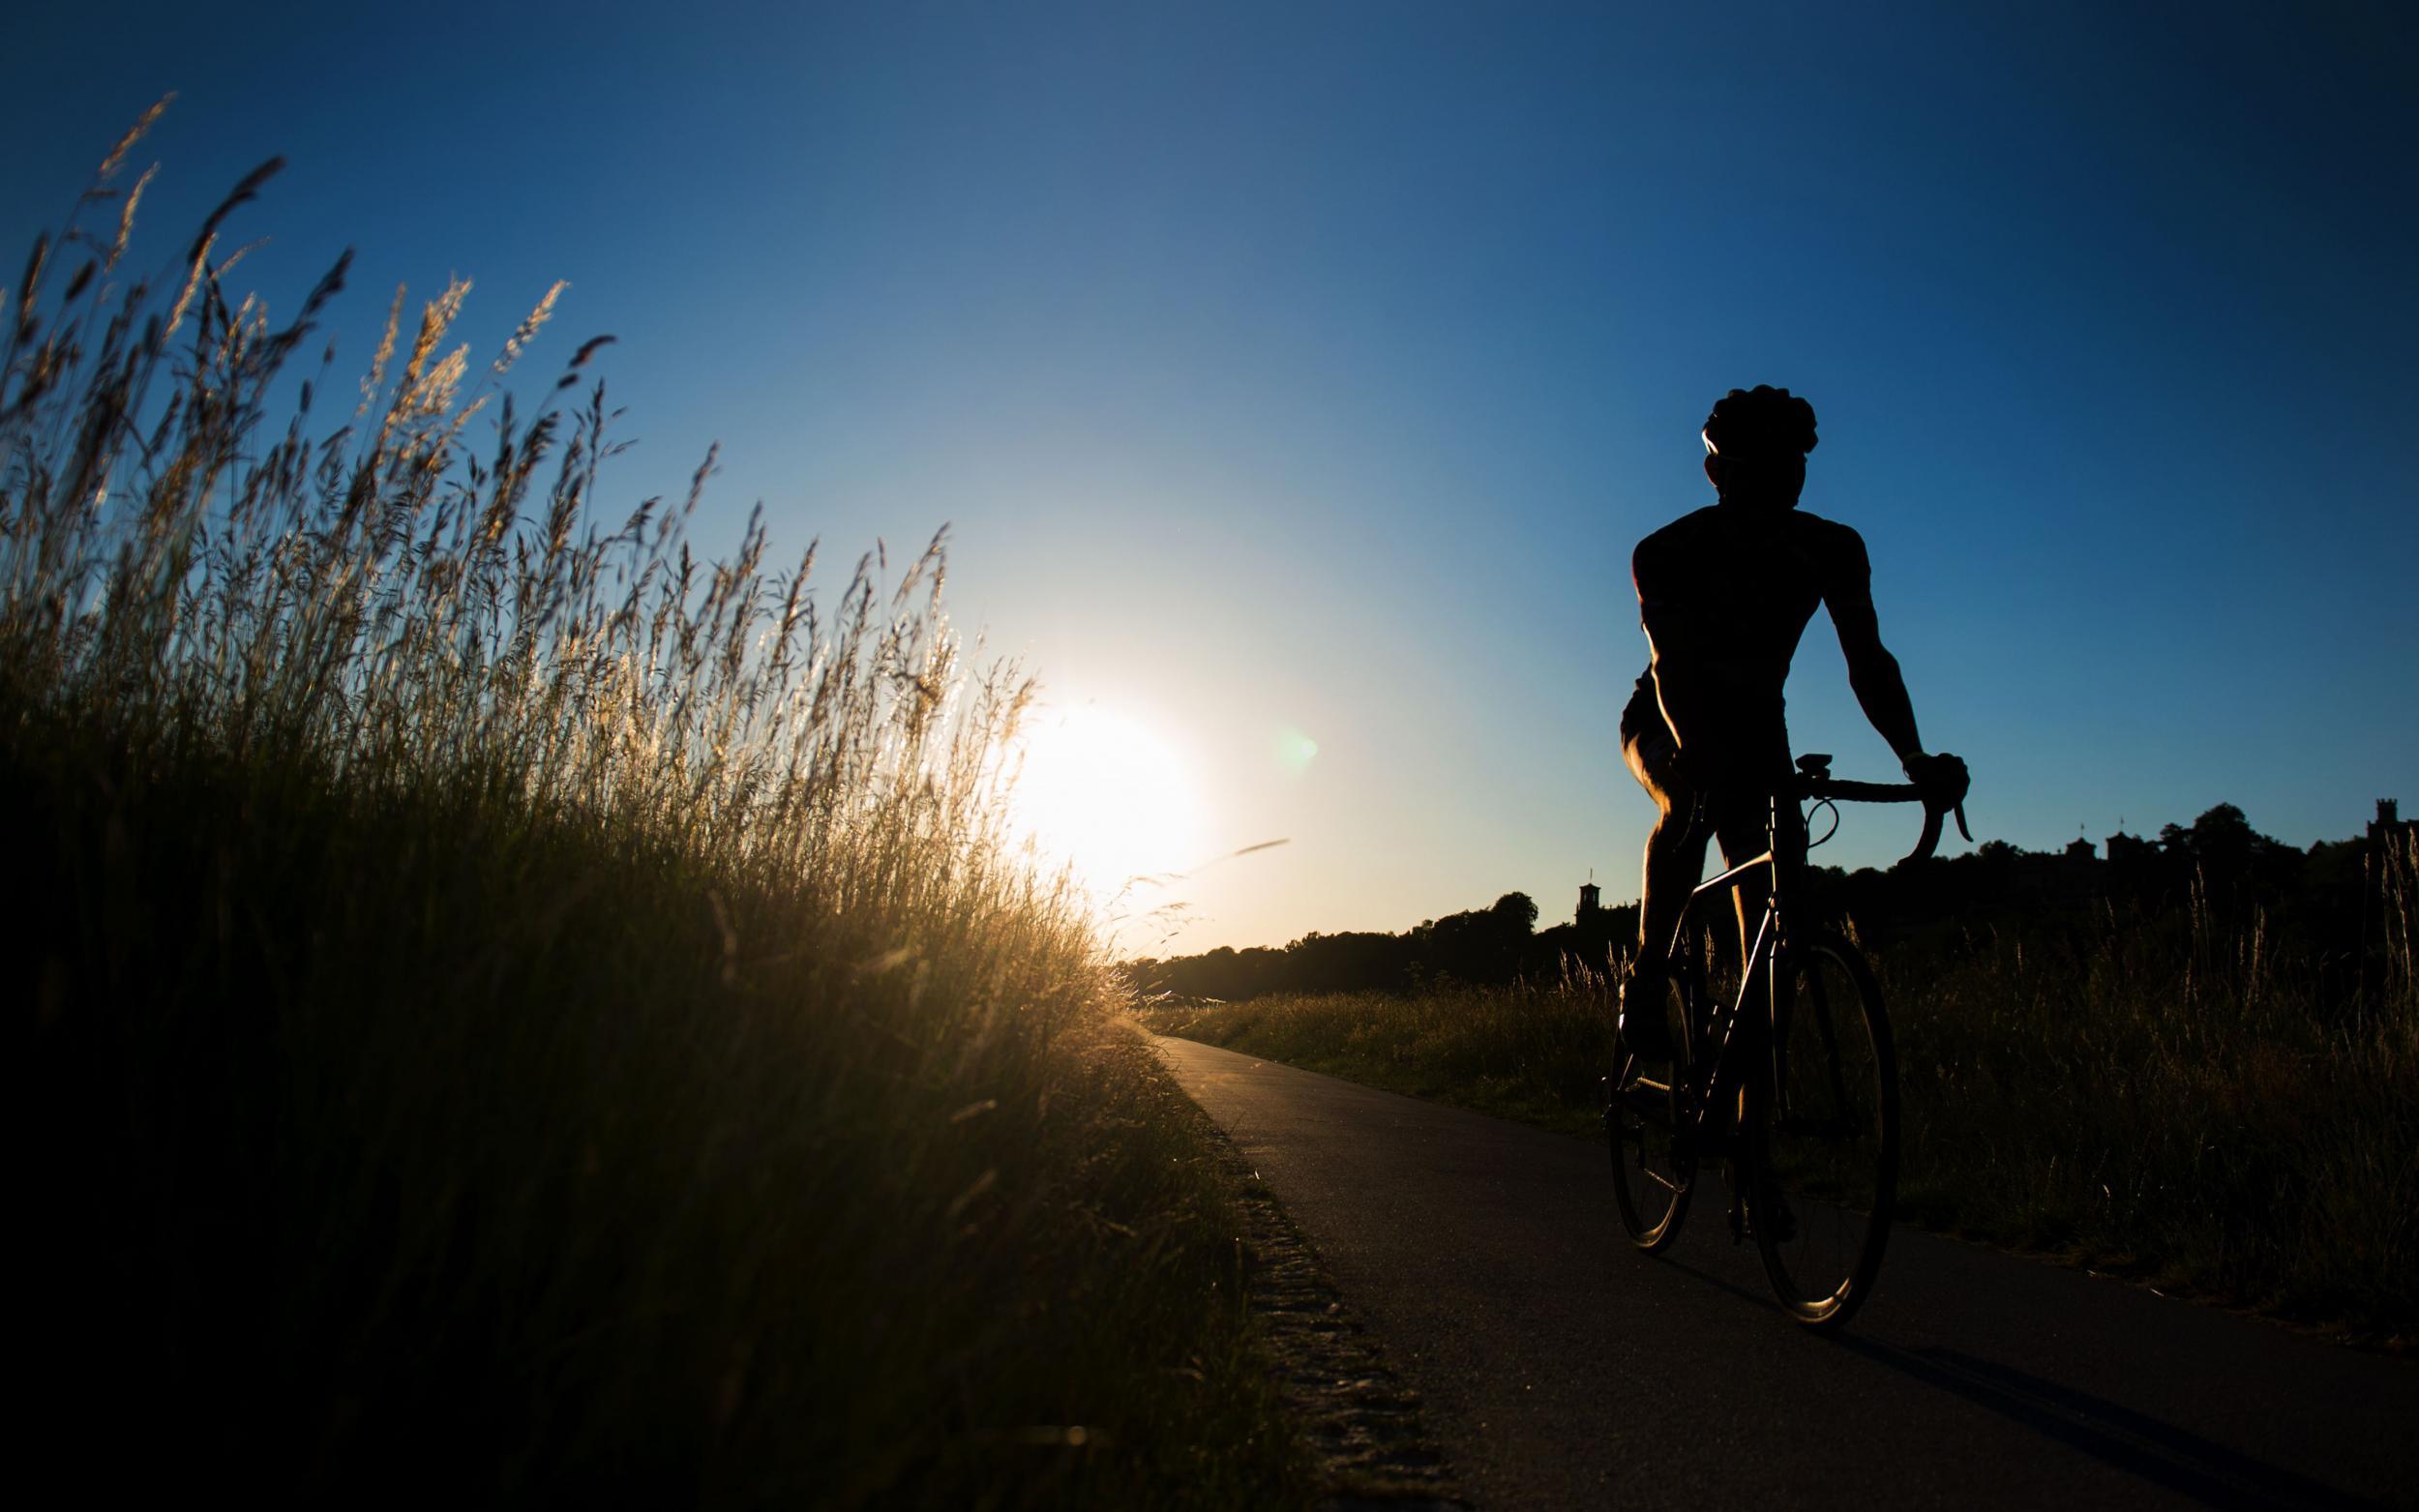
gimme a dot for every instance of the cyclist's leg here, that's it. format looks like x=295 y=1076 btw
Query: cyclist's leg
x=1756 y=766
x=1675 y=858
x=1675 y=848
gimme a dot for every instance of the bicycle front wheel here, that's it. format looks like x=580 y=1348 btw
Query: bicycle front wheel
x=1823 y=1135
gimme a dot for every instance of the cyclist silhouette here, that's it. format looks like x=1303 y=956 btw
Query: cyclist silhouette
x=1724 y=594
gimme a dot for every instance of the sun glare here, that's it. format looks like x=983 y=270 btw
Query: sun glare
x=1100 y=792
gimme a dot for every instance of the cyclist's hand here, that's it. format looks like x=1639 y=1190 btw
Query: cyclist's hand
x=1943 y=778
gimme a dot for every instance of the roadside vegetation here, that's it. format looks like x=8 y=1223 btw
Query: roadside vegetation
x=512 y=1011
x=2187 y=1092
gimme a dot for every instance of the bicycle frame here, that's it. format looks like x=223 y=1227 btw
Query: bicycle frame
x=1758 y=965
x=1761 y=960
x=1766 y=1061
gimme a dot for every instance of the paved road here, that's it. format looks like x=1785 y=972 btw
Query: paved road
x=1564 y=1370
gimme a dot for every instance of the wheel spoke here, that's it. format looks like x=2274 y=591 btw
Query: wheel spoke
x=1652 y=1173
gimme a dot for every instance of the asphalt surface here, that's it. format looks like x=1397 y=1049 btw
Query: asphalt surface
x=1564 y=1368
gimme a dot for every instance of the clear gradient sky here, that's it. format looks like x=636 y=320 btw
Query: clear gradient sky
x=1305 y=373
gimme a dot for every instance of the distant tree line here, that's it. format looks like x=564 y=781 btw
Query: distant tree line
x=2318 y=900
x=1497 y=943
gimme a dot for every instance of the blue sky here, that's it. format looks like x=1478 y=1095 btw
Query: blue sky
x=1311 y=368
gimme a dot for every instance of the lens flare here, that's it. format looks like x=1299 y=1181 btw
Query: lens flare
x=1295 y=750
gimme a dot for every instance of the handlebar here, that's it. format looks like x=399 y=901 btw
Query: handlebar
x=1818 y=783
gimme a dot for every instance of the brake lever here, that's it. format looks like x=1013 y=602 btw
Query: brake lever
x=1925 y=847
x=1932 y=818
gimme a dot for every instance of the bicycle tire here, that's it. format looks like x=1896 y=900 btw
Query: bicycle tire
x=1650 y=1186
x=1823 y=1136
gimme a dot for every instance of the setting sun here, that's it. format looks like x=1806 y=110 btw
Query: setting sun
x=1103 y=794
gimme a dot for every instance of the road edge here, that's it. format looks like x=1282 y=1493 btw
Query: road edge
x=1364 y=1425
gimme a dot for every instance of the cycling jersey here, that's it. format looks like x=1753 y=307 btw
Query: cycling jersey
x=1725 y=593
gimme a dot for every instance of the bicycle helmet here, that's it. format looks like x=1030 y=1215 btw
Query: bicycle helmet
x=1760 y=422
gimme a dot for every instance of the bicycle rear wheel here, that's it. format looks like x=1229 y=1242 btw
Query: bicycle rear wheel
x=1651 y=1181
x=1823 y=1136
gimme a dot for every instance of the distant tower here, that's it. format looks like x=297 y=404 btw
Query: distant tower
x=1588 y=897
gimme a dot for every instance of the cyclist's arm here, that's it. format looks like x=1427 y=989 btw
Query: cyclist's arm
x=1872 y=671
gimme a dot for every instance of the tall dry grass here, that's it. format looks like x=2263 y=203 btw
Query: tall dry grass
x=2174 y=1097
x=512 y=1007
x=2167 y=1095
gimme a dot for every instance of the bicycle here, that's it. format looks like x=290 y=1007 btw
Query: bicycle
x=1802 y=1099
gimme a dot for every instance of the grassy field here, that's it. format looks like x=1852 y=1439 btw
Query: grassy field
x=2159 y=1096
x=511 y=1011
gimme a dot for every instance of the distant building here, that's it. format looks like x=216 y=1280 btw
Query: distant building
x=2080 y=849
x=1590 y=901
x=2389 y=826
x=2130 y=847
